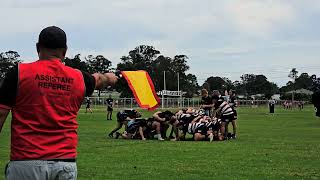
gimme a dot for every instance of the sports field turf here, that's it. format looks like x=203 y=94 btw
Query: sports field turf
x=283 y=146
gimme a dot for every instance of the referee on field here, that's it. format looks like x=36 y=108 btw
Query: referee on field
x=44 y=98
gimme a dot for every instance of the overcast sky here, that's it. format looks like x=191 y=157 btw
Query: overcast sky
x=221 y=38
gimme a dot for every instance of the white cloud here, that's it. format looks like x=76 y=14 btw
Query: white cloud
x=208 y=31
x=259 y=17
x=226 y=51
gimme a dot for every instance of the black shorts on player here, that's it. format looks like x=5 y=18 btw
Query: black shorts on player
x=227 y=118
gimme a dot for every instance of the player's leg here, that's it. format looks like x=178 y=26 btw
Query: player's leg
x=141 y=133
x=171 y=133
x=157 y=126
x=126 y=135
x=223 y=129
x=175 y=130
x=163 y=129
x=199 y=137
x=234 y=125
x=110 y=116
x=119 y=126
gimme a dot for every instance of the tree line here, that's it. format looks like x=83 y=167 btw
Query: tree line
x=148 y=58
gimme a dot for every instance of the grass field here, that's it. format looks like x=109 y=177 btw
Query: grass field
x=283 y=146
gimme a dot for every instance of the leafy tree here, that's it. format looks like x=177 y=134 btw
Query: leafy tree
x=148 y=58
x=140 y=58
x=304 y=81
x=239 y=87
x=191 y=85
x=219 y=83
x=98 y=64
x=8 y=60
x=76 y=63
x=293 y=74
x=258 y=84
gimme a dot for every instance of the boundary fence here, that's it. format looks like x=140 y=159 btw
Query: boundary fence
x=175 y=103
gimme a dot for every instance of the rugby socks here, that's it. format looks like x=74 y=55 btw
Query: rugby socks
x=159 y=137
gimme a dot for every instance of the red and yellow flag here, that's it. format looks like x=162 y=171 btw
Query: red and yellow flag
x=143 y=89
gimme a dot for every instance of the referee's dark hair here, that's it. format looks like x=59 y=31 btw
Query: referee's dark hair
x=52 y=37
x=52 y=41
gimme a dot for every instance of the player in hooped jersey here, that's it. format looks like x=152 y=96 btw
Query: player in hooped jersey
x=223 y=111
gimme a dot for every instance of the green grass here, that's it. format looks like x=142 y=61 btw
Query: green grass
x=283 y=146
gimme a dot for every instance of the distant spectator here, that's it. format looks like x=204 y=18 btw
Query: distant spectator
x=272 y=103
x=109 y=103
x=88 y=107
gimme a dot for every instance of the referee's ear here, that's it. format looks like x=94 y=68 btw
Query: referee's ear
x=64 y=52
x=38 y=48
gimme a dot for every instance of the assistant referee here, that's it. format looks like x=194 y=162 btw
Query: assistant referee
x=44 y=98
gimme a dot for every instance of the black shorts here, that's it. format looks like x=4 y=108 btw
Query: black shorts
x=215 y=127
x=227 y=118
x=202 y=130
x=132 y=129
x=88 y=106
x=235 y=114
x=109 y=108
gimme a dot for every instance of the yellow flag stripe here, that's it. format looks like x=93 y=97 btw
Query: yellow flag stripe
x=142 y=88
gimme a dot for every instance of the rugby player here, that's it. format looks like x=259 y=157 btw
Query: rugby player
x=233 y=105
x=152 y=128
x=88 y=106
x=122 y=119
x=223 y=111
x=199 y=127
x=214 y=128
x=206 y=102
x=185 y=117
x=165 y=119
x=135 y=129
x=316 y=102
x=109 y=103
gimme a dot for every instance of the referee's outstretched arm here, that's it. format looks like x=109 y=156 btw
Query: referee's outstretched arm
x=104 y=80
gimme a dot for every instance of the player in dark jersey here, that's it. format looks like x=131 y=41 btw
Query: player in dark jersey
x=109 y=103
x=166 y=118
x=88 y=106
x=135 y=129
x=233 y=104
x=122 y=119
x=153 y=127
x=206 y=102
